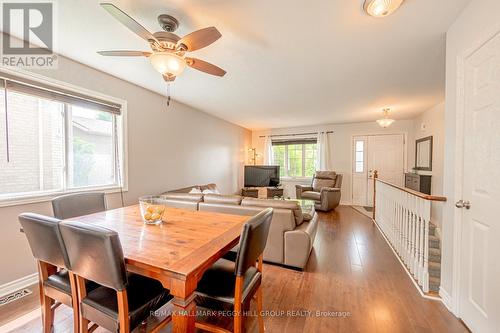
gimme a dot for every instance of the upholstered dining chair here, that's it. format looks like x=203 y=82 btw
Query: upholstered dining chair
x=123 y=300
x=78 y=204
x=57 y=285
x=229 y=284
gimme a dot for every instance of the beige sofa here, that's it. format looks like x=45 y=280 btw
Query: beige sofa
x=293 y=228
x=325 y=190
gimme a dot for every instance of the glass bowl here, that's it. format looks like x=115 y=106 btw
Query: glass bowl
x=152 y=209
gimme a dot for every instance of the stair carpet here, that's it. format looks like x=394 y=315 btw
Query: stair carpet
x=434 y=259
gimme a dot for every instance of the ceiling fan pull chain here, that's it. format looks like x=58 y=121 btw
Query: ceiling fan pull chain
x=168 y=94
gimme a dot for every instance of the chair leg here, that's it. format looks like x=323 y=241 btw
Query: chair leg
x=47 y=313
x=259 y=310
x=238 y=319
x=44 y=270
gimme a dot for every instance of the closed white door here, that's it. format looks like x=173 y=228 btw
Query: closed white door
x=480 y=246
x=384 y=153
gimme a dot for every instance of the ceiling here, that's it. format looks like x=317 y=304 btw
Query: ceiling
x=289 y=62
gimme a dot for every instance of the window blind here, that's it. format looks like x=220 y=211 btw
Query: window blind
x=281 y=142
x=48 y=91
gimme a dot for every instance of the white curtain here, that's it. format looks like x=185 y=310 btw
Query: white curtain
x=268 y=151
x=324 y=152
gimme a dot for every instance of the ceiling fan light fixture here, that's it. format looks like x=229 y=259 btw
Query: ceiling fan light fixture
x=168 y=63
x=381 y=8
x=386 y=121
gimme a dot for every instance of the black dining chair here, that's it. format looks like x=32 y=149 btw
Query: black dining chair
x=56 y=283
x=124 y=300
x=78 y=204
x=232 y=285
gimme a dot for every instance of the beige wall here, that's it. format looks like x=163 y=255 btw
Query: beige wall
x=342 y=144
x=431 y=123
x=474 y=23
x=167 y=148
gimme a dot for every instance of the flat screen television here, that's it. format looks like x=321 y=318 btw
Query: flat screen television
x=262 y=175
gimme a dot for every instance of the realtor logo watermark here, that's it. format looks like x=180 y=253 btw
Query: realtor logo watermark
x=28 y=35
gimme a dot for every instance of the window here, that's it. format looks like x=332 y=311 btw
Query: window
x=359 y=151
x=54 y=145
x=295 y=158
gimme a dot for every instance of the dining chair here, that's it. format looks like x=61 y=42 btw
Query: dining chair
x=57 y=285
x=232 y=285
x=123 y=300
x=78 y=204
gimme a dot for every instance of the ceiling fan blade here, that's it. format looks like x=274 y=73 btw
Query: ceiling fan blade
x=205 y=67
x=199 y=39
x=168 y=78
x=129 y=22
x=124 y=53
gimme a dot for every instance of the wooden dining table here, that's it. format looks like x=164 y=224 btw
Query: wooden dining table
x=175 y=252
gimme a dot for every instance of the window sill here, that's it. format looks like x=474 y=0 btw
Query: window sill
x=296 y=179
x=48 y=196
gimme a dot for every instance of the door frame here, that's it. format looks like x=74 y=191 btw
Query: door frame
x=488 y=35
x=405 y=153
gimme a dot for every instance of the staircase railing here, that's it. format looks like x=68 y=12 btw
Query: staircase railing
x=403 y=216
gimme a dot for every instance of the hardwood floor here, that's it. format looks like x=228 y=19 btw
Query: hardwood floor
x=352 y=278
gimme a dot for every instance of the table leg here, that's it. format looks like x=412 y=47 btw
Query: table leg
x=184 y=306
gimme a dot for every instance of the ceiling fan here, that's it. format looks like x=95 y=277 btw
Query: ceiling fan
x=168 y=55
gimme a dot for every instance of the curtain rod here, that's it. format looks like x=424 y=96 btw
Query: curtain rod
x=295 y=134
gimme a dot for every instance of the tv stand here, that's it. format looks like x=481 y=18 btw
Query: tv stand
x=271 y=192
x=251 y=192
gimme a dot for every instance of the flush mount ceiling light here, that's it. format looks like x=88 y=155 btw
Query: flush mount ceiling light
x=386 y=121
x=381 y=8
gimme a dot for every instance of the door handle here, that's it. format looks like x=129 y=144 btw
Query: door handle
x=463 y=204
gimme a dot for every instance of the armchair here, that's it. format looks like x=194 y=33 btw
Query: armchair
x=325 y=190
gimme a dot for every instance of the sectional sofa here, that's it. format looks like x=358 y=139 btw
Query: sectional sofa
x=293 y=227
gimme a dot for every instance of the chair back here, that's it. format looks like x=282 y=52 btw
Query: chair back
x=44 y=238
x=324 y=179
x=253 y=240
x=73 y=205
x=95 y=253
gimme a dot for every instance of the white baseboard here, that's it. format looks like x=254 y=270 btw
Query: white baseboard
x=345 y=203
x=447 y=300
x=21 y=283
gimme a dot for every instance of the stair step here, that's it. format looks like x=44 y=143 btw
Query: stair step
x=432 y=229
x=434 y=283
x=434 y=255
x=434 y=242
x=435 y=269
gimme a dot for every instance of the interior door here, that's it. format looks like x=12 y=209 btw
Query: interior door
x=386 y=155
x=480 y=246
x=359 y=171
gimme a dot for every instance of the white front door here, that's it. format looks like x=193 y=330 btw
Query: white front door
x=480 y=246
x=384 y=153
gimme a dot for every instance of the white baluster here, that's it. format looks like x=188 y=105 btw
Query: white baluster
x=427 y=218
x=404 y=220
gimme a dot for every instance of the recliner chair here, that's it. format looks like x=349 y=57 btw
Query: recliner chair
x=325 y=190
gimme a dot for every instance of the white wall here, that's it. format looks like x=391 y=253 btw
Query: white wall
x=433 y=121
x=167 y=149
x=476 y=20
x=342 y=144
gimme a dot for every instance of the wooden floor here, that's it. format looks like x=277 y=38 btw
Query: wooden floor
x=352 y=283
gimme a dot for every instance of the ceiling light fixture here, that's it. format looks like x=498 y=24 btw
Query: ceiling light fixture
x=167 y=63
x=381 y=8
x=386 y=121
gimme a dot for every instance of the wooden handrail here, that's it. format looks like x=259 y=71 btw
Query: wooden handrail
x=415 y=193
